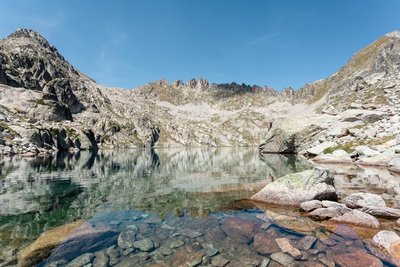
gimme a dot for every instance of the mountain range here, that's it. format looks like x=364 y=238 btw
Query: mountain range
x=47 y=104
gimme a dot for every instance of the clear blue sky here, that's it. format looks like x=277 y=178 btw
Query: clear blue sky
x=276 y=43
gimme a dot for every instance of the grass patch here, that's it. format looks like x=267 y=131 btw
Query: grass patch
x=39 y=102
x=349 y=146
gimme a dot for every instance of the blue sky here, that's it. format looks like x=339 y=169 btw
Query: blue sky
x=276 y=43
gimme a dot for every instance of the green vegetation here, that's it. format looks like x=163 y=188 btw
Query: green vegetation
x=349 y=146
x=5 y=127
x=39 y=101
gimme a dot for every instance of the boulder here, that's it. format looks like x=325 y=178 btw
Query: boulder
x=279 y=141
x=337 y=156
x=327 y=213
x=294 y=189
x=358 y=218
x=319 y=149
x=383 y=212
x=360 y=200
x=394 y=164
x=311 y=205
x=386 y=246
x=382 y=159
x=356 y=259
x=366 y=151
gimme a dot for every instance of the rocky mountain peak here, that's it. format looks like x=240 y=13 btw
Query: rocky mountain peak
x=395 y=34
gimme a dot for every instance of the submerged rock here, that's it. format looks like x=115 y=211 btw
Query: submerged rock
x=241 y=229
x=285 y=246
x=356 y=259
x=294 y=189
x=42 y=247
x=386 y=246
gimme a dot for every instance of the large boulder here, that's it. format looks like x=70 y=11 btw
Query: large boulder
x=279 y=141
x=293 y=189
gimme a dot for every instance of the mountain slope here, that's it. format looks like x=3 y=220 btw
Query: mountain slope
x=45 y=103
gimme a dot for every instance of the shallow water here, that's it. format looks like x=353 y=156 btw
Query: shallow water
x=189 y=205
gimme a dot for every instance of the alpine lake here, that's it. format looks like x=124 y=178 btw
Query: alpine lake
x=166 y=207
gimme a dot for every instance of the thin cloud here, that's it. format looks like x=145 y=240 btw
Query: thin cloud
x=263 y=39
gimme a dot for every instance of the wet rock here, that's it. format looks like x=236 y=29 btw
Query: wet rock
x=210 y=250
x=383 y=212
x=285 y=246
x=86 y=238
x=356 y=259
x=325 y=260
x=126 y=239
x=357 y=217
x=298 y=224
x=294 y=189
x=310 y=205
x=187 y=256
x=175 y=243
x=191 y=233
x=219 y=261
x=306 y=242
x=360 y=200
x=282 y=258
x=42 y=247
x=265 y=245
x=81 y=260
x=386 y=246
x=100 y=259
x=166 y=251
x=144 y=244
x=241 y=229
x=135 y=260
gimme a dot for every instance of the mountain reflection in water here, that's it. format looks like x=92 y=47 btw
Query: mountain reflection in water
x=41 y=193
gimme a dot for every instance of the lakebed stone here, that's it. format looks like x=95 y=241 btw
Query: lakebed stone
x=357 y=259
x=47 y=241
x=285 y=245
x=386 y=246
x=241 y=229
